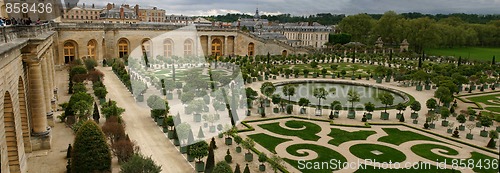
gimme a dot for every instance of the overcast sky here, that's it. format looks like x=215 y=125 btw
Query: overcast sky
x=308 y=7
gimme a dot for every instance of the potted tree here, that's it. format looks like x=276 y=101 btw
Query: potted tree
x=353 y=97
x=303 y=102
x=289 y=91
x=199 y=150
x=431 y=117
x=470 y=126
x=431 y=104
x=386 y=99
x=415 y=107
x=445 y=113
x=450 y=127
x=230 y=131
x=262 y=159
x=268 y=89
x=169 y=123
x=238 y=141
x=400 y=107
x=197 y=107
x=369 y=107
x=262 y=110
x=248 y=144
x=320 y=94
x=461 y=119
x=276 y=99
x=485 y=122
x=169 y=87
x=492 y=143
x=472 y=114
x=276 y=162
x=337 y=106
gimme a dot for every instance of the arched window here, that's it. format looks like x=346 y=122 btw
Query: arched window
x=69 y=52
x=251 y=49
x=167 y=48
x=91 y=49
x=146 y=47
x=216 y=47
x=188 y=47
x=123 y=48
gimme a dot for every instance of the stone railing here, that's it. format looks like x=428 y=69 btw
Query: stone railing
x=10 y=33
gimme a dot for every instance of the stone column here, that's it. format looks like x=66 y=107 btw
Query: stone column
x=225 y=45
x=40 y=131
x=47 y=90
x=209 y=45
x=53 y=79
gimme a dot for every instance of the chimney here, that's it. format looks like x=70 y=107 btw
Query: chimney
x=113 y=5
x=83 y=5
x=122 y=14
x=136 y=9
x=93 y=6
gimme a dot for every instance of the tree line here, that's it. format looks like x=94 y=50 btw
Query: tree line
x=421 y=32
x=333 y=19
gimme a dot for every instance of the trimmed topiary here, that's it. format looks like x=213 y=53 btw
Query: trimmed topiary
x=222 y=167
x=90 y=151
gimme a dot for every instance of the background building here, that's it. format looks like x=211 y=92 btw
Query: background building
x=178 y=19
x=152 y=15
x=85 y=14
x=121 y=14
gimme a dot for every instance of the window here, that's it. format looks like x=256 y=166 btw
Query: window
x=69 y=52
x=251 y=49
x=216 y=48
x=188 y=47
x=91 y=48
x=123 y=48
x=168 y=48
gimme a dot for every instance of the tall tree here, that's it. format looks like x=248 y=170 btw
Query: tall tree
x=359 y=26
x=90 y=152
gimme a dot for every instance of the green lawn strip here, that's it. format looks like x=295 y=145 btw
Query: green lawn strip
x=341 y=136
x=424 y=150
x=478 y=106
x=493 y=109
x=389 y=155
x=479 y=93
x=486 y=99
x=416 y=169
x=325 y=155
x=267 y=141
x=473 y=53
x=309 y=133
x=397 y=137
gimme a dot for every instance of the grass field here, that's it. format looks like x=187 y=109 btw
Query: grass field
x=477 y=53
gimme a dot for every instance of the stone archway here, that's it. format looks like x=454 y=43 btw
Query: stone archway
x=10 y=134
x=147 y=45
x=216 y=47
x=25 y=126
x=123 y=47
x=284 y=53
x=92 y=49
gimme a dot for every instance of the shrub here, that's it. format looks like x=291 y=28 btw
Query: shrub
x=209 y=166
x=79 y=87
x=90 y=151
x=228 y=158
x=100 y=92
x=139 y=163
x=113 y=130
x=199 y=150
x=123 y=149
x=90 y=64
x=95 y=75
x=77 y=70
x=222 y=167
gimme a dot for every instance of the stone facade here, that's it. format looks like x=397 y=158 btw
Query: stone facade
x=107 y=36
x=26 y=93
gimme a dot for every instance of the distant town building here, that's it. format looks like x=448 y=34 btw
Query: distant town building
x=121 y=14
x=85 y=14
x=178 y=19
x=152 y=15
x=252 y=24
x=200 y=21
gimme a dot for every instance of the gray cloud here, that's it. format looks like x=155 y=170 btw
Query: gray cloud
x=308 y=7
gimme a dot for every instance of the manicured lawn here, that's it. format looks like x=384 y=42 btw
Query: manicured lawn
x=364 y=151
x=267 y=141
x=493 y=109
x=341 y=136
x=397 y=137
x=486 y=99
x=477 y=53
x=308 y=133
x=479 y=160
x=325 y=155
